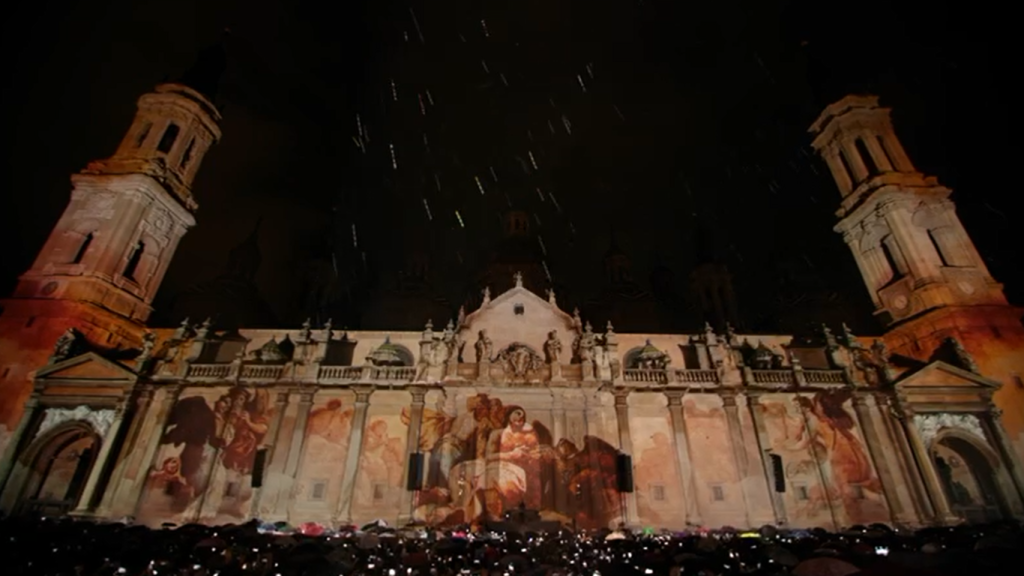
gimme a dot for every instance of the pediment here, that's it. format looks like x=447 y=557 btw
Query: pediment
x=89 y=367
x=939 y=374
x=506 y=323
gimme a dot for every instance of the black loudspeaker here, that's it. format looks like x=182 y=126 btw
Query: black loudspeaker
x=258 y=463
x=778 y=472
x=414 y=479
x=624 y=472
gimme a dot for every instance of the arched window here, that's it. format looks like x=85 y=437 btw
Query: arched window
x=167 y=140
x=134 y=260
x=83 y=248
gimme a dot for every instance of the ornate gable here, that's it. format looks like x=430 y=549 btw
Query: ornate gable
x=939 y=385
x=88 y=368
x=518 y=316
x=942 y=375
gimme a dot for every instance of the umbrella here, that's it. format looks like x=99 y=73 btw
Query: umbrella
x=825 y=567
x=311 y=529
x=782 y=556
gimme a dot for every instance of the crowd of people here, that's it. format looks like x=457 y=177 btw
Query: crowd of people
x=63 y=546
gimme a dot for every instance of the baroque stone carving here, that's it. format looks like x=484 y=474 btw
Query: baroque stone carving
x=65 y=346
x=518 y=360
x=100 y=420
x=929 y=425
x=552 y=348
x=484 y=347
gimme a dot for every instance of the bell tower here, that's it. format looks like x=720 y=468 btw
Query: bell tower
x=926 y=278
x=111 y=247
x=901 y=226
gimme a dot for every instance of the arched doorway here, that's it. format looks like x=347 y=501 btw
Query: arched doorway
x=58 y=466
x=970 y=479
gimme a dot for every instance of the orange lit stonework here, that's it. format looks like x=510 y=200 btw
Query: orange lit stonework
x=516 y=402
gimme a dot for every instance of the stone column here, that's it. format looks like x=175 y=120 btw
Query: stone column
x=896 y=152
x=626 y=447
x=761 y=436
x=867 y=269
x=860 y=170
x=412 y=446
x=879 y=156
x=14 y=441
x=739 y=454
x=100 y=463
x=683 y=462
x=142 y=406
x=343 y=515
x=839 y=172
x=291 y=465
x=932 y=484
x=269 y=444
x=862 y=410
x=994 y=428
x=905 y=457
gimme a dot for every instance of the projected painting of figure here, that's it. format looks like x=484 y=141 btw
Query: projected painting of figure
x=203 y=466
x=493 y=458
x=817 y=436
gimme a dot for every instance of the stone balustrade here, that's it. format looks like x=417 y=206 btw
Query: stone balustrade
x=261 y=372
x=774 y=378
x=825 y=376
x=208 y=371
x=339 y=373
x=645 y=376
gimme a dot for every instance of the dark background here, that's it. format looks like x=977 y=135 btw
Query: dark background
x=693 y=125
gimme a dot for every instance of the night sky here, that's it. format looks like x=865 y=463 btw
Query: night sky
x=662 y=120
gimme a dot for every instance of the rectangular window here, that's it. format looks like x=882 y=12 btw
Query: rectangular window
x=141 y=138
x=801 y=493
x=167 y=140
x=231 y=490
x=657 y=492
x=718 y=493
x=378 y=492
x=319 y=491
x=858 y=492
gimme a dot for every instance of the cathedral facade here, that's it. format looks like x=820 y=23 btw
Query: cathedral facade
x=516 y=404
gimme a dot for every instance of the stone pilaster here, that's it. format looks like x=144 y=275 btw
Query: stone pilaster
x=133 y=491
x=764 y=450
x=291 y=465
x=683 y=462
x=85 y=501
x=932 y=484
x=269 y=444
x=905 y=457
x=739 y=454
x=862 y=410
x=343 y=515
x=631 y=517
x=994 y=429
x=412 y=446
x=143 y=402
x=14 y=441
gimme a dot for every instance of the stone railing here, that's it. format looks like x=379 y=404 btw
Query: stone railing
x=773 y=377
x=824 y=377
x=401 y=373
x=261 y=372
x=209 y=371
x=340 y=373
x=696 y=376
x=645 y=376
